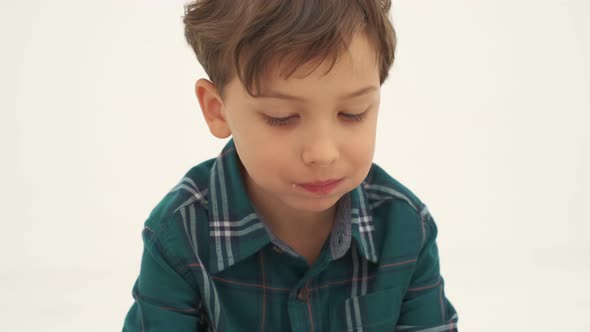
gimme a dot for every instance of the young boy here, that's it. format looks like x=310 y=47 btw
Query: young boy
x=292 y=227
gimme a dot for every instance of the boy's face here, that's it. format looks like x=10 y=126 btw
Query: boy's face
x=320 y=141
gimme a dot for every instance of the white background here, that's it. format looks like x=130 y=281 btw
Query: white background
x=485 y=117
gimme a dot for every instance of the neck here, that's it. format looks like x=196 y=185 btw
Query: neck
x=288 y=224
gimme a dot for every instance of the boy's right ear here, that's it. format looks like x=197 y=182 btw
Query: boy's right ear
x=212 y=108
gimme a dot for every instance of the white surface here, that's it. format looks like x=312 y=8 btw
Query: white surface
x=484 y=117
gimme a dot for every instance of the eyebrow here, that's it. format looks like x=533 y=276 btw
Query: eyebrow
x=279 y=95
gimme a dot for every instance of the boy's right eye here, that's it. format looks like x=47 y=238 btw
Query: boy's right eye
x=278 y=121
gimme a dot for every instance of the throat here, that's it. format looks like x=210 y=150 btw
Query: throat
x=307 y=239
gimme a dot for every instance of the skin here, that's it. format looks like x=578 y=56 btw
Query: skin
x=319 y=142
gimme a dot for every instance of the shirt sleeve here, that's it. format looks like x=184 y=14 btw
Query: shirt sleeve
x=164 y=300
x=425 y=306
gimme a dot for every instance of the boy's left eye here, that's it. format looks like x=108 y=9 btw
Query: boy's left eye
x=355 y=117
x=286 y=120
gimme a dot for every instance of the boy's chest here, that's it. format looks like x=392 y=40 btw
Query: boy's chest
x=274 y=291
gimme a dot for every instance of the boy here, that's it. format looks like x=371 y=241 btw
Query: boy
x=292 y=227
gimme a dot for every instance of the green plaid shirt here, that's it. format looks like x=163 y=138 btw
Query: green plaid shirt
x=210 y=263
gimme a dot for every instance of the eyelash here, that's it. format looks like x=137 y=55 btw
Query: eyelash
x=285 y=121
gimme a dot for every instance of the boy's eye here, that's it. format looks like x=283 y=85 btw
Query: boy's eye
x=355 y=117
x=287 y=120
x=278 y=121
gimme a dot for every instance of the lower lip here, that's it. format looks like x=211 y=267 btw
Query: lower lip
x=323 y=189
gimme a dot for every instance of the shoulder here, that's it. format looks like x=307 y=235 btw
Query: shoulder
x=399 y=216
x=382 y=188
x=180 y=212
x=191 y=188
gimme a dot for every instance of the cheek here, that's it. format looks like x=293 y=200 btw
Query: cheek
x=360 y=157
x=361 y=149
x=266 y=158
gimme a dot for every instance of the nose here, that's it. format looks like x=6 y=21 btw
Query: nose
x=320 y=150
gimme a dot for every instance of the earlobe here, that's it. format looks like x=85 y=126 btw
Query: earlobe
x=212 y=108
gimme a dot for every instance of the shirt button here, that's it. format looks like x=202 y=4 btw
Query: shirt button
x=303 y=294
x=340 y=239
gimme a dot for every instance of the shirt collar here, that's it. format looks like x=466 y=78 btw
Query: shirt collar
x=237 y=232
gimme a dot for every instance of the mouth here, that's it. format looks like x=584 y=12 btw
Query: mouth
x=321 y=187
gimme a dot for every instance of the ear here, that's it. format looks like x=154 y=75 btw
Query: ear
x=212 y=108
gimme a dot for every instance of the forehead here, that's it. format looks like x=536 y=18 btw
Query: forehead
x=354 y=68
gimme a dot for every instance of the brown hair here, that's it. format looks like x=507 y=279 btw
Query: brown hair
x=246 y=36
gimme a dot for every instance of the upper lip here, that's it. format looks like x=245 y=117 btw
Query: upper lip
x=321 y=182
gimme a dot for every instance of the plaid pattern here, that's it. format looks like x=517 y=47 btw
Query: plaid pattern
x=210 y=263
